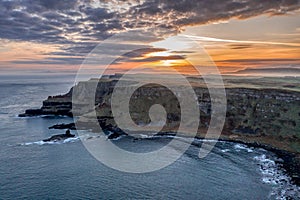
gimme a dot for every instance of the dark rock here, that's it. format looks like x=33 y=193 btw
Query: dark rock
x=114 y=132
x=113 y=135
x=60 y=137
x=31 y=112
x=165 y=134
x=70 y=126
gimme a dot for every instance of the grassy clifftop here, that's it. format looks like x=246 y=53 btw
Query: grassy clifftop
x=256 y=113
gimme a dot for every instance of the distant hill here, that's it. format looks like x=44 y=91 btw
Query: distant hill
x=270 y=71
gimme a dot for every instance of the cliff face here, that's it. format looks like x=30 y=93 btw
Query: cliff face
x=264 y=116
x=268 y=116
x=265 y=111
x=54 y=105
x=58 y=105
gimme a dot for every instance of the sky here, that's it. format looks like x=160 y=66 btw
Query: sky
x=238 y=36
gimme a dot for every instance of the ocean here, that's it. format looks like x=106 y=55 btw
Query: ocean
x=32 y=169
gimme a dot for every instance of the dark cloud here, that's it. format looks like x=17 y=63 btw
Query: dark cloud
x=80 y=24
x=159 y=58
x=52 y=61
x=240 y=46
x=191 y=12
x=57 y=4
x=142 y=52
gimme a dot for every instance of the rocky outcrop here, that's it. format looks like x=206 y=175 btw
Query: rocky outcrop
x=54 y=105
x=56 y=138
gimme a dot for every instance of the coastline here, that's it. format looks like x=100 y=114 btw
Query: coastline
x=258 y=117
x=290 y=160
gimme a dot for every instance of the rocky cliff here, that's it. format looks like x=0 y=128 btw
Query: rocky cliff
x=267 y=116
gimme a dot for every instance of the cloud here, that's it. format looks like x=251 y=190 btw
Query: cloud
x=244 y=42
x=240 y=46
x=51 y=61
x=260 y=60
x=155 y=58
x=143 y=52
x=192 y=12
x=78 y=25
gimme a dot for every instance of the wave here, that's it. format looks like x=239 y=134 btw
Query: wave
x=277 y=178
x=225 y=150
x=145 y=136
x=149 y=136
x=68 y=140
x=239 y=147
x=43 y=116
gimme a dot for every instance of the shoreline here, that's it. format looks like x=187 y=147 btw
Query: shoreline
x=290 y=164
x=291 y=160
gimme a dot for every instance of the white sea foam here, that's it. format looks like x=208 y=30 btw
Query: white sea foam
x=42 y=116
x=273 y=175
x=211 y=140
x=68 y=140
x=144 y=136
x=118 y=138
x=27 y=117
x=225 y=150
x=71 y=139
x=206 y=140
x=239 y=147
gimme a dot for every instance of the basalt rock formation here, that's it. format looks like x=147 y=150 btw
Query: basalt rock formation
x=54 y=105
x=59 y=137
